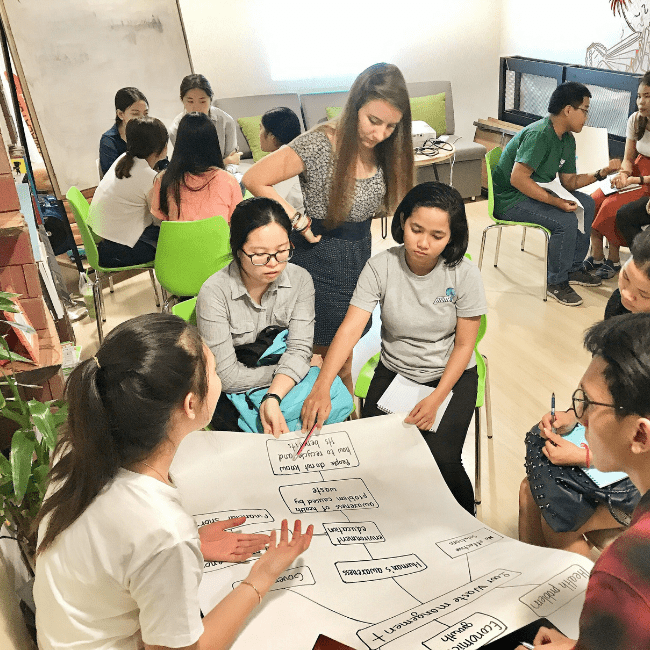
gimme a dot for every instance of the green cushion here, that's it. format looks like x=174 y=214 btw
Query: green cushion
x=430 y=109
x=250 y=127
x=333 y=111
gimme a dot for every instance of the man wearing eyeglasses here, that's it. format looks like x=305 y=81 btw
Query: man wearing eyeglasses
x=537 y=154
x=613 y=404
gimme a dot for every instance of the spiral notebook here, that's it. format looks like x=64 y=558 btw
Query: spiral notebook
x=403 y=394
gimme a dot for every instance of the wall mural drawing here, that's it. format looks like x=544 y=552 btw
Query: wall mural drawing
x=632 y=52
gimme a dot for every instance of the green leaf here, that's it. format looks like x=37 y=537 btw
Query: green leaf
x=9 y=305
x=5 y=466
x=10 y=414
x=44 y=420
x=40 y=478
x=22 y=450
x=5 y=355
x=19 y=326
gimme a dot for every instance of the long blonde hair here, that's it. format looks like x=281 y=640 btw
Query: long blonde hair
x=394 y=155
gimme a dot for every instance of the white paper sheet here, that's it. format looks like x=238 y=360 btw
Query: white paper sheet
x=559 y=190
x=592 y=149
x=394 y=559
x=403 y=394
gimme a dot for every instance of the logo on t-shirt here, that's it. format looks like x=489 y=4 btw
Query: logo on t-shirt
x=562 y=163
x=450 y=296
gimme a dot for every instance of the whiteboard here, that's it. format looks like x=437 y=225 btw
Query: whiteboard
x=394 y=563
x=73 y=55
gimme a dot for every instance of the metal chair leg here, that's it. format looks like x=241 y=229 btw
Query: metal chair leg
x=477 y=455
x=98 y=310
x=101 y=295
x=523 y=238
x=480 y=255
x=486 y=399
x=548 y=239
x=110 y=284
x=155 y=289
x=496 y=252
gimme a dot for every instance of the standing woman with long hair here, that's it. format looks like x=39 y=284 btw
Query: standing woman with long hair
x=195 y=185
x=119 y=561
x=351 y=169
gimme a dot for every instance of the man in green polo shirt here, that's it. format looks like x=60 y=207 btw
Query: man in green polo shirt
x=537 y=154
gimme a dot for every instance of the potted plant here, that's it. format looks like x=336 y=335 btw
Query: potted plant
x=23 y=476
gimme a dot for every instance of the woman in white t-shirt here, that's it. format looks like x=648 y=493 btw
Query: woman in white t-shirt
x=120 y=212
x=635 y=169
x=119 y=561
x=431 y=299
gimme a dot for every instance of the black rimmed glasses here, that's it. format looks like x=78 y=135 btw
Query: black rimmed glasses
x=262 y=259
x=581 y=403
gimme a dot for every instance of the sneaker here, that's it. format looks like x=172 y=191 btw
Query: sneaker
x=590 y=265
x=564 y=293
x=608 y=270
x=583 y=278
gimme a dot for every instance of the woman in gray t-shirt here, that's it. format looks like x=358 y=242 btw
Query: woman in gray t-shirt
x=432 y=300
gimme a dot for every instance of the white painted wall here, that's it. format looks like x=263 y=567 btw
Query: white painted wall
x=234 y=45
x=559 y=30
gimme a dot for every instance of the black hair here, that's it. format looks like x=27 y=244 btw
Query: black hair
x=197 y=149
x=641 y=121
x=570 y=93
x=640 y=249
x=126 y=97
x=282 y=123
x=144 y=136
x=251 y=214
x=120 y=404
x=193 y=81
x=623 y=342
x=436 y=195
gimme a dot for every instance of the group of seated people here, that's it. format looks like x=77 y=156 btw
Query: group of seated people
x=140 y=187
x=310 y=276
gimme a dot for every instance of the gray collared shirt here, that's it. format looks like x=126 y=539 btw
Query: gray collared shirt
x=227 y=316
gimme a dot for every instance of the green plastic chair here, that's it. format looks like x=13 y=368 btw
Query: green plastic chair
x=186 y=310
x=80 y=208
x=482 y=399
x=491 y=160
x=188 y=253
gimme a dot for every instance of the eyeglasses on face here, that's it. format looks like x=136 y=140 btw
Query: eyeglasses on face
x=581 y=403
x=584 y=110
x=262 y=259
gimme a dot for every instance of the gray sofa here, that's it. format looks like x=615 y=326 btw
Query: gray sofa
x=311 y=107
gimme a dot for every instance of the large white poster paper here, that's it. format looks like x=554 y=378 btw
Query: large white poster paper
x=394 y=561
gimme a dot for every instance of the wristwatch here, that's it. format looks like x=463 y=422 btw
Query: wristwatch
x=271 y=396
x=599 y=177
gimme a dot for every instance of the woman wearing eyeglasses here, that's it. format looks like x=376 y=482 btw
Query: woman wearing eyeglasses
x=258 y=289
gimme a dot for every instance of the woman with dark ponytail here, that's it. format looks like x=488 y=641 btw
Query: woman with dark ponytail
x=635 y=170
x=119 y=561
x=120 y=211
